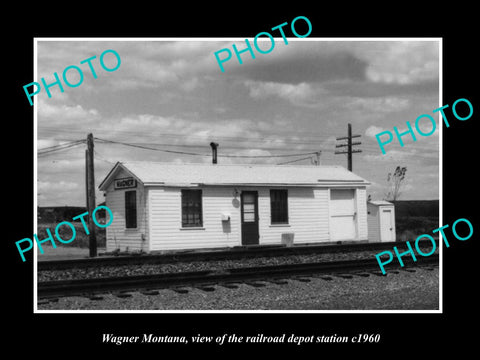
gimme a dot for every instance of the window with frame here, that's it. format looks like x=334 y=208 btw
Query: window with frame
x=130 y=209
x=192 y=208
x=279 y=206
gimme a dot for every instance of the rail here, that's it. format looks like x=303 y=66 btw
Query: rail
x=62 y=288
x=230 y=254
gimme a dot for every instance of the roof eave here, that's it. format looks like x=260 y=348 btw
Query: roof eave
x=108 y=179
x=323 y=184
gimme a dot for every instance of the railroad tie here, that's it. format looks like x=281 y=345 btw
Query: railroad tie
x=344 y=276
x=180 y=290
x=361 y=274
x=123 y=294
x=46 y=301
x=302 y=279
x=207 y=288
x=229 y=285
x=278 y=281
x=150 y=292
x=323 y=277
x=255 y=283
x=378 y=273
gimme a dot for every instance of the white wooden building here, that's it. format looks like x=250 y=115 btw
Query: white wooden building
x=381 y=221
x=159 y=206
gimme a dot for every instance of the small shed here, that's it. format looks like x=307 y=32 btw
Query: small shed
x=165 y=206
x=381 y=221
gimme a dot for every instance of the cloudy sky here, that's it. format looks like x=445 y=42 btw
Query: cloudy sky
x=171 y=95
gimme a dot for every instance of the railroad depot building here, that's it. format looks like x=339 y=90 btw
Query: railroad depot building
x=160 y=206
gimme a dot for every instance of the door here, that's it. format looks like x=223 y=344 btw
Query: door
x=343 y=216
x=249 y=210
x=386 y=225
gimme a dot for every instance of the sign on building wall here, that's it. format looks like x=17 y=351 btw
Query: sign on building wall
x=125 y=183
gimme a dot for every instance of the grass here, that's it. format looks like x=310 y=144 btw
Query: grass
x=81 y=239
x=410 y=227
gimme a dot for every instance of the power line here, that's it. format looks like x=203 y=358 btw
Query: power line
x=61 y=145
x=292 y=161
x=101 y=158
x=266 y=156
x=297 y=138
x=150 y=148
x=51 y=149
x=197 y=154
x=349 y=145
x=199 y=146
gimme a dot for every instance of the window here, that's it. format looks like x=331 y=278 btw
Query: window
x=279 y=206
x=130 y=209
x=192 y=208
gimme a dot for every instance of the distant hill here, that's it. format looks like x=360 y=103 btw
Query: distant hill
x=415 y=217
x=405 y=208
x=56 y=214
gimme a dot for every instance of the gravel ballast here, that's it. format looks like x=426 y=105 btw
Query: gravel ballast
x=405 y=290
x=147 y=269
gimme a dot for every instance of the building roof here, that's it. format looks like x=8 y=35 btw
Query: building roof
x=380 y=202
x=169 y=174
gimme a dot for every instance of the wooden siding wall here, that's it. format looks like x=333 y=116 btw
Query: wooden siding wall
x=118 y=236
x=362 y=222
x=165 y=219
x=308 y=216
x=373 y=223
x=308 y=211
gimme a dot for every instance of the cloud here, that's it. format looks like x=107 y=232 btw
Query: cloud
x=190 y=84
x=67 y=112
x=373 y=130
x=263 y=157
x=402 y=62
x=172 y=95
x=302 y=94
x=392 y=155
x=45 y=143
x=144 y=64
x=60 y=186
x=385 y=62
x=52 y=192
x=378 y=104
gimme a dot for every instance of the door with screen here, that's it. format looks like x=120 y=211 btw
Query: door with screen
x=249 y=212
x=342 y=214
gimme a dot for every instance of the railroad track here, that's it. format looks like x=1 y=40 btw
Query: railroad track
x=88 y=287
x=230 y=254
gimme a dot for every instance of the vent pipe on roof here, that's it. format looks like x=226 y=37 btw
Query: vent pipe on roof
x=214 y=152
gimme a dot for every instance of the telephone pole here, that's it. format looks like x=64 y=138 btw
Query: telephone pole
x=349 y=145
x=90 y=190
x=316 y=161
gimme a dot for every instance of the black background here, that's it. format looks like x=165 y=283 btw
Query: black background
x=63 y=335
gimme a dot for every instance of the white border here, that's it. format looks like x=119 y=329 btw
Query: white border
x=386 y=39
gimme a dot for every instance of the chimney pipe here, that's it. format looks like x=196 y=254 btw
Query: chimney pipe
x=214 y=152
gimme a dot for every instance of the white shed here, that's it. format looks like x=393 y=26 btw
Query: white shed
x=381 y=221
x=159 y=206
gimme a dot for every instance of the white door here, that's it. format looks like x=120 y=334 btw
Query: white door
x=386 y=225
x=342 y=215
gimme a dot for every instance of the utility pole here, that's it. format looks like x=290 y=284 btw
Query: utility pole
x=86 y=178
x=316 y=160
x=349 y=145
x=90 y=190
